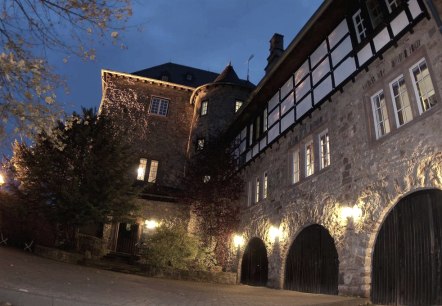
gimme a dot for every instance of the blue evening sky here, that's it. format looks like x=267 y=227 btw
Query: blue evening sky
x=205 y=34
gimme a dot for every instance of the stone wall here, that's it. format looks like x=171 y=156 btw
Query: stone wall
x=371 y=174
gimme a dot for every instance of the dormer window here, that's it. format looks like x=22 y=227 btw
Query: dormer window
x=375 y=12
x=165 y=78
x=392 y=4
x=189 y=77
x=204 y=107
x=238 y=105
x=360 y=27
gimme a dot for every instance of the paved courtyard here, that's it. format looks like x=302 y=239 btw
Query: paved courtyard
x=26 y=279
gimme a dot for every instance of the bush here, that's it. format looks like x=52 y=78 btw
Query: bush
x=172 y=246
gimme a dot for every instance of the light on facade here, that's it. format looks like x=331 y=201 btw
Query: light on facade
x=274 y=233
x=2 y=179
x=151 y=224
x=238 y=240
x=354 y=213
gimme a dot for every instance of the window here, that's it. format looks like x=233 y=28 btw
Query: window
x=392 y=4
x=238 y=105
x=250 y=134
x=249 y=193
x=189 y=77
x=257 y=190
x=204 y=106
x=264 y=119
x=295 y=176
x=324 y=149
x=257 y=127
x=423 y=86
x=375 y=12
x=264 y=191
x=153 y=171
x=158 y=106
x=200 y=144
x=401 y=102
x=309 y=159
x=206 y=179
x=141 y=169
x=164 y=77
x=380 y=115
x=360 y=28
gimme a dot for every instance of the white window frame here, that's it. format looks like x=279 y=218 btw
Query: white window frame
x=257 y=188
x=400 y=95
x=153 y=171
x=380 y=111
x=296 y=169
x=360 y=35
x=324 y=150
x=204 y=107
x=417 y=92
x=265 y=181
x=200 y=142
x=309 y=158
x=391 y=5
x=141 y=171
x=159 y=106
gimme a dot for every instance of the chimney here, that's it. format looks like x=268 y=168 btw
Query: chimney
x=276 y=50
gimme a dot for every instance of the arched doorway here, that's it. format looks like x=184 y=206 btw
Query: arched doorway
x=254 y=265
x=407 y=256
x=312 y=263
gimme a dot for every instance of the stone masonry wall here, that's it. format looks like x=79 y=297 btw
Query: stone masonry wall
x=371 y=174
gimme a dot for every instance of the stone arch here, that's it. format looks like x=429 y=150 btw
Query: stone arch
x=254 y=264
x=312 y=263
x=406 y=258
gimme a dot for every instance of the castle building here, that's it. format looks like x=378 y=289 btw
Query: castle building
x=339 y=146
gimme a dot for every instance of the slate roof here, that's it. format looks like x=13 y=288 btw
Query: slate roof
x=179 y=74
x=229 y=76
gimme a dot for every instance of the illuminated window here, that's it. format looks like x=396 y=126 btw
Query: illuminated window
x=401 y=102
x=238 y=105
x=257 y=186
x=309 y=159
x=204 y=106
x=265 y=185
x=360 y=28
x=153 y=171
x=249 y=193
x=295 y=175
x=423 y=86
x=158 y=106
x=141 y=169
x=380 y=115
x=324 y=150
x=200 y=144
x=206 y=179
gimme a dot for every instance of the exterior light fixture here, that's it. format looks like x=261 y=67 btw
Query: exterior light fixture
x=151 y=224
x=2 y=179
x=238 y=240
x=354 y=213
x=274 y=233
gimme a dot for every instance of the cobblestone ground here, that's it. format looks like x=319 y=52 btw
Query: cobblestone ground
x=26 y=279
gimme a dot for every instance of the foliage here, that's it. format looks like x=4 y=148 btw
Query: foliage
x=29 y=31
x=212 y=189
x=81 y=174
x=172 y=246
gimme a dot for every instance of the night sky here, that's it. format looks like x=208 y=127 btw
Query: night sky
x=205 y=34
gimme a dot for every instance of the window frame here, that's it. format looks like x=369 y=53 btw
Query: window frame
x=141 y=171
x=296 y=170
x=322 y=160
x=240 y=103
x=360 y=36
x=257 y=189
x=200 y=143
x=393 y=99
x=309 y=162
x=265 y=185
x=385 y=120
x=416 y=90
x=161 y=102
x=153 y=171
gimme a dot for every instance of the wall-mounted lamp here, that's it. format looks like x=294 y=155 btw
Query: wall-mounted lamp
x=151 y=224
x=238 y=240
x=274 y=233
x=2 y=179
x=354 y=213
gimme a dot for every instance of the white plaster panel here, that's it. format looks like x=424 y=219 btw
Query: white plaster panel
x=255 y=150
x=274 y=101
x=345 y=69
x=341 y=51
x=248 y=155
x=364 y=54
x=322 y=89
x=301 y=72
x=302 y=89
x=318 y=54
x=287 y=87
x=263 y=143
x=242 y=147
x=321 y=70
x=399 y=23
x=244 y=133
x=381 y=39
x=414 y=7
x=273 y=133
x=303 y=107
x=287 y=103
x=288 y=120
x=338 y=33
x=273 y=117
